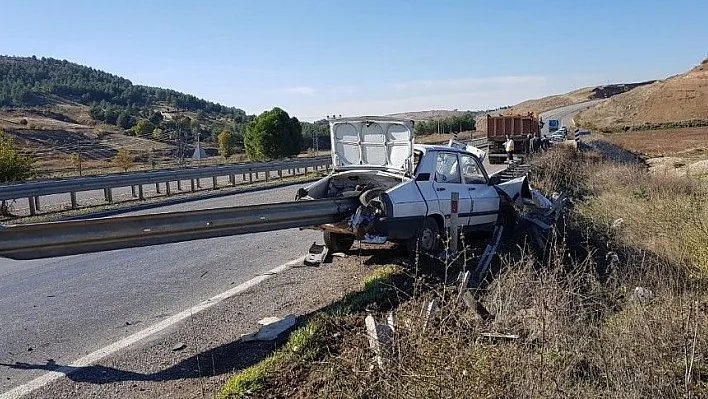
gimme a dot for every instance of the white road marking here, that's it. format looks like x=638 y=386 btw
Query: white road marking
x=95 y=356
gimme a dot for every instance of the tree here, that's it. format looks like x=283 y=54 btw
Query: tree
x=226 y=144
x=273 y=134
x=155 y=118
x=157 y=133
x=75 y=160
x=123 y=159
x=143 y=128
x=123 y=120
x=14 y=166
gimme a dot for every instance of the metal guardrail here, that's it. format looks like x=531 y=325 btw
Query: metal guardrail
x=43 y=240
x=33 y=190
x=478 y=142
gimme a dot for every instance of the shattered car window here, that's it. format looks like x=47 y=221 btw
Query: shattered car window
x=471 y=173
x=446 y=169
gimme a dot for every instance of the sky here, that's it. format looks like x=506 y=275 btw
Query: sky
x=317 y=58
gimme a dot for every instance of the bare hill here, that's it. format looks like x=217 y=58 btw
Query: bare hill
x=547 y=103
x=428 y=115
x=675 y=101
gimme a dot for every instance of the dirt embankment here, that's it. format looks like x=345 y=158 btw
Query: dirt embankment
x=548 y=103
x=678 y=101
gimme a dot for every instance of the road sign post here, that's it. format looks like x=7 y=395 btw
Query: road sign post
x=454 y=221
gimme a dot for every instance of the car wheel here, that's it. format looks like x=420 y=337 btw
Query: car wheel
x=428 y=237
x=336 y=242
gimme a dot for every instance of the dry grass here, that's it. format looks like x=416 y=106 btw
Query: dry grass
x=679 y=98
x=582 y=332
x=659 y=143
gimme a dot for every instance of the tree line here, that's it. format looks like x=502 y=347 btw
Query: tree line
x=24 y=79
x=31 y=81
x=458 y=123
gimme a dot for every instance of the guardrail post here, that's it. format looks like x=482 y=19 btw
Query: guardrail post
x=280 y=174
x=141 y=195
x=36 y=202
x=167 y=188
x=213 y=183
x=132 y=191
x=109 y=194
x=267 y=172
x=157 y=187
x=250 y=176
x=179 y=185
x=191 y=183
x=233 y=180
x=31 y=206
x=243 y=178
x=74 y=205
x=199 y=183
x=454 y=221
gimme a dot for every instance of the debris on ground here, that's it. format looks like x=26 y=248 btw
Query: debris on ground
x=316 y=255
x=642 y=294
x=273 y=329
x=179 y=346
x=380 y=337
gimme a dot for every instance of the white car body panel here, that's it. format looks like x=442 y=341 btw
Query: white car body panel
x=372 y=142
x=399 y=184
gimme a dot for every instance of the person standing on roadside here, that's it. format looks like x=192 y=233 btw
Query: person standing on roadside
x=536 y=143
x=509 y=147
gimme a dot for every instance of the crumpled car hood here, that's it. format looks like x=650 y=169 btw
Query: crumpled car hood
x=517 y=189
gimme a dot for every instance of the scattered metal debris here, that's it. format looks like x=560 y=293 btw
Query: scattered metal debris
x=642 y=294
x=429 y=312
x=316 y=255
x=617 y=223
x=499 y=335
x=486 y=259
x=179 y=346
x=273 y=329
x=380 y=337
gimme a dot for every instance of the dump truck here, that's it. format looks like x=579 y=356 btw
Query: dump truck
x=518 y=127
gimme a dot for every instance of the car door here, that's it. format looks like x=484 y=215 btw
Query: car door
x=484 y=200
x=448 y=180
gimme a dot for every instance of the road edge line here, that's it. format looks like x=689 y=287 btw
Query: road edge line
x=76 y=365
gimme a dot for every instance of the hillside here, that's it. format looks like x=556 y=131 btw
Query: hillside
x=667 y=103
x=436 y=114
x=54 y=108
x=547 y=103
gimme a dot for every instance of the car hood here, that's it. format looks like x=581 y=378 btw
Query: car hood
x=517 y=189
x=372 y=143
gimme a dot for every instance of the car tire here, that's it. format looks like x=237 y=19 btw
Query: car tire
x=427 y=239
x=336 y=242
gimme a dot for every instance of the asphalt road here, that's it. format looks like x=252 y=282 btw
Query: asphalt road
x=565 y=115
x=64 y=308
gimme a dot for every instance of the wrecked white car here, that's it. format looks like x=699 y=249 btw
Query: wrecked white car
x=405 y=189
